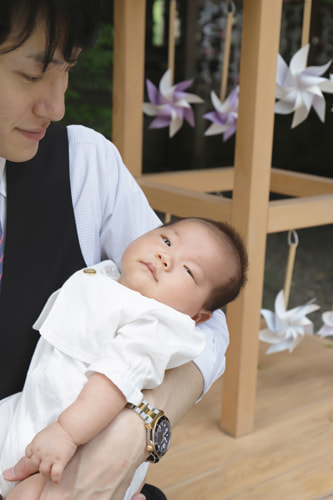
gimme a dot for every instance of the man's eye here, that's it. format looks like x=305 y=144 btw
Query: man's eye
x=31 y=78
x=166 y=241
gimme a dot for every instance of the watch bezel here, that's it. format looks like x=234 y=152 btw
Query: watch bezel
x=156 y=452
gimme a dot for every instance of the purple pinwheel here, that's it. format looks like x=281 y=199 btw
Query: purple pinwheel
x=298 y=88
x=225 y=116
x=170 y=104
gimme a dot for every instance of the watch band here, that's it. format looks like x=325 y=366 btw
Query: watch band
x=146 y=411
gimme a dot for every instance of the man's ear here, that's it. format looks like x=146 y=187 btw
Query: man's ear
x=201 y=316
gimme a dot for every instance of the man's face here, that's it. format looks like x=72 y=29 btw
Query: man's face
x=178 y=265
x=29 y=98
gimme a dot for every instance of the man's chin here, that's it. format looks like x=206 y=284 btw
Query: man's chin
x=23 y=153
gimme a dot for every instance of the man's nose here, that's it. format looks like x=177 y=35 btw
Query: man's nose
x=51 y=101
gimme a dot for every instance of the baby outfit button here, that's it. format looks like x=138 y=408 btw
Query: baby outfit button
x=89 y=270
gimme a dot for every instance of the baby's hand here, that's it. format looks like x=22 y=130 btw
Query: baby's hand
x=51 y=450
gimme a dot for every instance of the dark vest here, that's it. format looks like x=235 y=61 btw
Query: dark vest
x=41 y=250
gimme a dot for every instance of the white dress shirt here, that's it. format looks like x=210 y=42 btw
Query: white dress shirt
x=3 y=192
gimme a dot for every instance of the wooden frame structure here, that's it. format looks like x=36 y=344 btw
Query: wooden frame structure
x=251 y=179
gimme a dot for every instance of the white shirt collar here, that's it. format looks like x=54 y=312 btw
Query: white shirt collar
x=3 y=188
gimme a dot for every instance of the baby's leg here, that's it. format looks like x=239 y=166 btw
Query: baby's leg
x=30 y=488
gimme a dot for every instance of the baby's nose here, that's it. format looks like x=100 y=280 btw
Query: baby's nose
x=165 y=261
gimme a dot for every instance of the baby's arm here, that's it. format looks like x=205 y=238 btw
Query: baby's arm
x=96 y=406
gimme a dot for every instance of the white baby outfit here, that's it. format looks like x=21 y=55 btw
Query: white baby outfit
x=93 y=324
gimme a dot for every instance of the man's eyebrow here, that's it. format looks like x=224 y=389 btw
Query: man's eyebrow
x=39 y=57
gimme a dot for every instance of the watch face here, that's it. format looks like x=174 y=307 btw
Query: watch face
x=162 y=436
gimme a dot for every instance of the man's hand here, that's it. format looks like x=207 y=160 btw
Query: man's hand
x=100 y=470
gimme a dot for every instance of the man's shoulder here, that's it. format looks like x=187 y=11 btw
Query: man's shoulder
x=78 y=134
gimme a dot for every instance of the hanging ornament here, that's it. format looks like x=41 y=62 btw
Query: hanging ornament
x=327 y=328
x=225 y=116
x=299 y=88
x=170 y=104
x=286 y=328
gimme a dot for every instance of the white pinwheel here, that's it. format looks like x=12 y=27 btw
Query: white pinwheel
x=286 y=328
x=298 y=88
x=326 y=329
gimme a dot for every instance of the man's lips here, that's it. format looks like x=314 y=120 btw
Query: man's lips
x=34 y=134
x=151 y=268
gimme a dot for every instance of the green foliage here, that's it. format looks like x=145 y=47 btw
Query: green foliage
x=88 y=98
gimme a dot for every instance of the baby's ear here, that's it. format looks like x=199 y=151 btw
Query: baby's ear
x=202 y=316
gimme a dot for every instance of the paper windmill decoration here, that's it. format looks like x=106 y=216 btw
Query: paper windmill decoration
x=170 y=104
x=327 y=328
x=299 y=88
x=225 y=116
x=286 y=329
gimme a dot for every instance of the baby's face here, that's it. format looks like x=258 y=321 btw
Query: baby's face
x=178 y=265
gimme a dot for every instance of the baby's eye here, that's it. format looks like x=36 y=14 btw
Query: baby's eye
x=166 y=241
x=188 y=270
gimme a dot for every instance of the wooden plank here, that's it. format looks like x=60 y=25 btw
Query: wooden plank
x=214 y=472
x=298 y=184
x=205 y=181
x=282 y=374
x=260 y=45
x=293 y=423
x=295 y=213
x=307 y=482
x=128 y=81
x=184 y=203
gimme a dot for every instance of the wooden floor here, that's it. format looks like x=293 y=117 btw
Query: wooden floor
x=290 y=454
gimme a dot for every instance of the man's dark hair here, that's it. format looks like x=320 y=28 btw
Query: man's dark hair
x=70 y=24
x=234 y=247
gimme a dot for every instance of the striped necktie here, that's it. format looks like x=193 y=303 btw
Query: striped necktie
x=1 y=251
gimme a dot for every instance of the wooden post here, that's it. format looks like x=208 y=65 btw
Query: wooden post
x=226 y=56
x=172 y=38
x=293 y=243
x=128 y=81
x=260 y=45
x=306 y=22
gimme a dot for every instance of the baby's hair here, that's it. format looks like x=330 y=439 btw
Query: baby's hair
x=234 y=246
x=70 y=24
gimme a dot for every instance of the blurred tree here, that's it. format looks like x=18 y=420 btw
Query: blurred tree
x=89 y=94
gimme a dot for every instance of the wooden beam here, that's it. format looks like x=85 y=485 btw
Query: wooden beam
x=253 y=156
x=296 y=213
x=208 y=180
x=185 y=203
x=299 y=184
x=128 y=81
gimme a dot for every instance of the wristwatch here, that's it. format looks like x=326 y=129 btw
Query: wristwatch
x=158 y=429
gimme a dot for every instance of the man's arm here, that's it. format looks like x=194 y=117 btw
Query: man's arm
x=106 y=465
x=99 y=402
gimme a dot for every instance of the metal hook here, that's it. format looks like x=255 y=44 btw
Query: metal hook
x=292 y=238
x=231 y=7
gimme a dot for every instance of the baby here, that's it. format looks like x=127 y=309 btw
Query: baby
x=105 y=337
